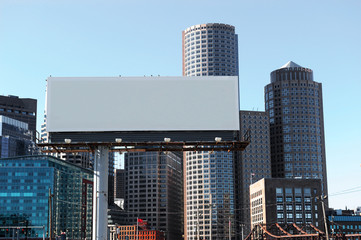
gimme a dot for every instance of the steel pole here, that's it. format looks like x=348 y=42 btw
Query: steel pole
x=100 y=193
x=324 y=215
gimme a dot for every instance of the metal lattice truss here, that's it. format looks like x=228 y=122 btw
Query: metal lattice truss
x=292 y=231
x=145 y=146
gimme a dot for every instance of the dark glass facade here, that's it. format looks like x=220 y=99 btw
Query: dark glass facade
x=15 y=138
x=294 y=103
x=153 y=191
x=24 y=196
x=22 y=109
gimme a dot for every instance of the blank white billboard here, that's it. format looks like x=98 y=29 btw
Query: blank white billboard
x=103 y=104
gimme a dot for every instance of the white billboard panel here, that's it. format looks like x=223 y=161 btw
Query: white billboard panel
x=102 y=104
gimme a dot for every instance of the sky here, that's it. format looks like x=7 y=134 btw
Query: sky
x=39 y=38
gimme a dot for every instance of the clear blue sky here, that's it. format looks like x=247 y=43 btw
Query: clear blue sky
x=39 y=38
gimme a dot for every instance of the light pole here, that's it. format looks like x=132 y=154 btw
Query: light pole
x=322 y=199
x=242 y=225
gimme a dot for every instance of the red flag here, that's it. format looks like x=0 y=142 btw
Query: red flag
x=142 y=224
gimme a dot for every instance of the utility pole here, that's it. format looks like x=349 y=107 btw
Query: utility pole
x=322 y=199
x=211 y=209
x=229 y=227
x=50 y=215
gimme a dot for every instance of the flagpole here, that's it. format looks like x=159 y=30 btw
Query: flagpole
x=137 y=229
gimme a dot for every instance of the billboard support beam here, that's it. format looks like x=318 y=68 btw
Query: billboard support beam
x=100 y=193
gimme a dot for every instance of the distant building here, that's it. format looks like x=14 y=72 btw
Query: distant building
x=82 y=159
x=15 y=138
x=24 y=196
x=119 y=187
x=280 y=200
x=130 y=232
x=209 y=50
x=358 y=211
x=255 y=160
x=294 y=103
x=343 y=222
x=153 y=191
x=21 y=109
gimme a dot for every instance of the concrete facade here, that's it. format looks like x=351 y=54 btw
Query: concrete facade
x=281 y=200
x=209 y=192
x=255 y=160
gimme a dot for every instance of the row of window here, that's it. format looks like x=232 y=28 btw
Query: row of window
x=17 y=111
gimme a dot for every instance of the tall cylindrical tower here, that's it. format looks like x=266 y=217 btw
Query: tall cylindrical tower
x=209 y=50
x=294 y=104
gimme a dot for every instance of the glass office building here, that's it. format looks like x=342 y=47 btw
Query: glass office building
x=15 y=138
x=293 y=101
x=153 y=191
x=24 y=197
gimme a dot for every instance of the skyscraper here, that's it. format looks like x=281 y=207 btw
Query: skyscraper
x=153 y=191
x=255 y=161
x=294 y=103
x=209 y=50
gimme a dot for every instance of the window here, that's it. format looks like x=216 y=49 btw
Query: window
x=288 y=191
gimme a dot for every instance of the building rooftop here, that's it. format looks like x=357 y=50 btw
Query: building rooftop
x=290 y=64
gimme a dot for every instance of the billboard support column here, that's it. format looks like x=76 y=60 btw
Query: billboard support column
x=100 y=193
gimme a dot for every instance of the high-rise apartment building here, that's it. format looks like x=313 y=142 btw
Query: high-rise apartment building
x=21 y=109
x=209 y=50
x=294 y=103
x=255 y=161
x=153 y=191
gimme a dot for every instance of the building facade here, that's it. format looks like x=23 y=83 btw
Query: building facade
x=21 y=109
x=130 y=232
x=209 y=50
x=293 y=101
x=281 y=200
x=255 y=160
x=25 y=183
x=119 y=183
x=153 y=191
x=15 y=138
x=343 y=224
